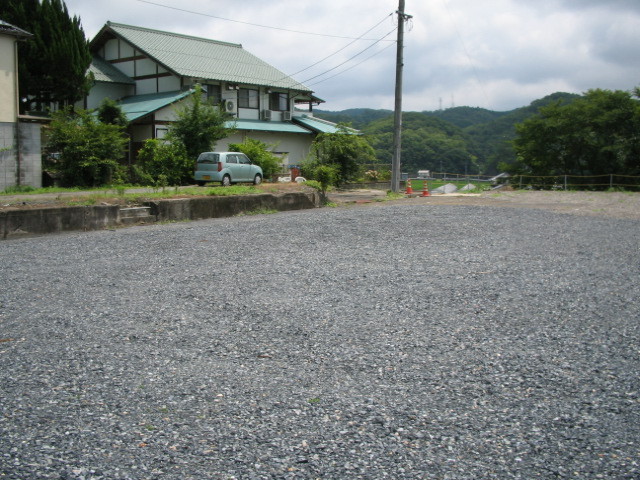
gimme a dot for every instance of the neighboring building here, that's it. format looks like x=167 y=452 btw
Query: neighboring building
x=20 y=152
x=150 y=72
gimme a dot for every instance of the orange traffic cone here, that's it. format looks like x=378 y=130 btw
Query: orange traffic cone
x=409 y=189
x=425 y=189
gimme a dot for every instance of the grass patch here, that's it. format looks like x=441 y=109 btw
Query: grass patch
x=394 y=195
x=417 y=185
x=26 y=189
x=258 y=211
x=224 y=191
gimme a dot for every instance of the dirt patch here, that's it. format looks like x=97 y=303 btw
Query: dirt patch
x=610 y=204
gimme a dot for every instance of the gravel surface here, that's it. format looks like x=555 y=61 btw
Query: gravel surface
x=402 y=341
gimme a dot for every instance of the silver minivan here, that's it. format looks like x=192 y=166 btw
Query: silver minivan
x=226 y=168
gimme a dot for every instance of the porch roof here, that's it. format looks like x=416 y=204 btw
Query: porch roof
x=318 y=125
x=138 y=106
x=105 y=72
x=267 y=126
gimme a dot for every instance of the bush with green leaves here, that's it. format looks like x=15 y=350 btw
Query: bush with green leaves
x=89 y=151
x=161 y=164
x=344 y=150
x=326 y=175
x=260 y=154
x=111 y=113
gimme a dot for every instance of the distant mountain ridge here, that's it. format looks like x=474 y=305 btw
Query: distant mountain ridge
x=456 y=139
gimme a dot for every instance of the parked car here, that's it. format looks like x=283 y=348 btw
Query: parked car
x=226 y=168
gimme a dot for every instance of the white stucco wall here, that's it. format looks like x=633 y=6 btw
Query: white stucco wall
x=8 y=94
x=102 y=90
x=295 y=146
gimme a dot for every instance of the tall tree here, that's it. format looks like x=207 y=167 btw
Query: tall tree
x=199 y=125
x=594 y=135
x=53 y=64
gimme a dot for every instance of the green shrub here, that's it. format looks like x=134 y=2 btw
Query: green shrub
x=258 y=152
x=89 y=151
x=162 y=164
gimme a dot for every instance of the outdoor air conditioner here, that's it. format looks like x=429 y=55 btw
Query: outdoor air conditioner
x=230 y=106
x=266 y=115
x=286 y=116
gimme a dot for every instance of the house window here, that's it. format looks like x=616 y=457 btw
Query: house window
x=279 y=101
x=248 y=98
x=214 y=95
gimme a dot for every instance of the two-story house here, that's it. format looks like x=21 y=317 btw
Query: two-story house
x=150 y=72
x=20 y=156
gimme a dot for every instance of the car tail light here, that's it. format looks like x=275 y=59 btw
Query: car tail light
x=219 y=166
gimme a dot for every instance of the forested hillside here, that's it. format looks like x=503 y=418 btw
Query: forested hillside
x=456 y=140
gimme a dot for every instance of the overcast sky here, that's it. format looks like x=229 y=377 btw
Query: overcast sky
x=495 y=54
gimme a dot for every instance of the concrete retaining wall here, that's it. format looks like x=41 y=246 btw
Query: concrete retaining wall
x=213 y=207
x=17 y=223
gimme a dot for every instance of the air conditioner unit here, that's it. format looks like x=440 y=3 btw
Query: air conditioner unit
x=230 y=106
x=266 y=115
x=286 y=116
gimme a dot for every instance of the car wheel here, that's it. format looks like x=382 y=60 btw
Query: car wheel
x=257 y=180
x=226 y=181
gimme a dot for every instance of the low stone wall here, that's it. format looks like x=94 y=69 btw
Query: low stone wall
x=213 y=207
x=17 y=223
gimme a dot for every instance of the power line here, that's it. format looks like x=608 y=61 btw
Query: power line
x=353 y=66
x=341 y=49
x=349 y=59
x=249 y=23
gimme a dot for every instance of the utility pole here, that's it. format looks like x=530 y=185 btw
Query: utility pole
x=397 y=122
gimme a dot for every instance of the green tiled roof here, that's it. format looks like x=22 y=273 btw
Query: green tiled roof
x=202 y=58
x=318 y=125
x=266 y=126
x=105 y=72
x=138 y=106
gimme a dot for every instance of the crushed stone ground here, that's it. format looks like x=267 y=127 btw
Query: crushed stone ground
x=398 y=340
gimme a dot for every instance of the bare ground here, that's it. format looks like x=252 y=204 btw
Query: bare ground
x=612 y=204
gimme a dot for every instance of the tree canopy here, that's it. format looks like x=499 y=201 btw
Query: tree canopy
x=593 y=135
x=199 y=125
x=343 y=150
x=53 y=64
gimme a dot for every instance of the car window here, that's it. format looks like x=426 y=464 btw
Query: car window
x=244 y=159
x=208 y=158
x=232 y=159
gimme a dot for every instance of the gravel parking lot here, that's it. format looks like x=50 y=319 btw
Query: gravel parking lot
x=399 y=341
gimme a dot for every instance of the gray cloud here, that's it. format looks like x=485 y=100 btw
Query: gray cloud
x=498 y=54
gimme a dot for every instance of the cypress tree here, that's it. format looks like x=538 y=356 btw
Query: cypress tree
x=53 y=64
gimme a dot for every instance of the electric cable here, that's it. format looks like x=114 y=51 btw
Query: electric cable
x=353 y=66
x=351 y=58
x=249 y=23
